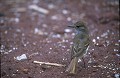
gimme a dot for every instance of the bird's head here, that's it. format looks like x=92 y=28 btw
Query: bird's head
x=78 y=25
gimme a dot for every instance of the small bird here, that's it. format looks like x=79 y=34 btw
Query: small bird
x=80 y=45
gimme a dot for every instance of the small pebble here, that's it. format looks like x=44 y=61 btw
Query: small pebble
x=90 y=61
x=56 y=36
x=118 y=55
x=54 y=17
x=104 y=34
x=51 y=6
x=22 y=57
x=44 y=25
x=69 y=19
x=94 y=40
x=17 y=20
x=98 y=38
x=6 y=32
x=10 y=51
x=39 y=32
x=50 y=48
x=18 y=30
x=67 y=30
x=71 y=43
x=65 y=12
x=79 y=60
x=116 y=44
x=14 y=48
x=61 y=72
x=117 y=75
x=115 y=50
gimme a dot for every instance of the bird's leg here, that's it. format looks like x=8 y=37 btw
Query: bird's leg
x=83 y=62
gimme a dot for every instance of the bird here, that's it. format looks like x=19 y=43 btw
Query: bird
x=80 y=45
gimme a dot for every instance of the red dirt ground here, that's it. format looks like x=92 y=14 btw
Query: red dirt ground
x=44 y=36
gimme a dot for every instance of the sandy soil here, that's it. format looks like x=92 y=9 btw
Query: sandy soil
x=37 y=29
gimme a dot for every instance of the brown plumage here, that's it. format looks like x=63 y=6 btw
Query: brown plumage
x=80 y=44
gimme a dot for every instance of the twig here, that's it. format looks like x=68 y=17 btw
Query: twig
x=39 y=9
x=47 y=63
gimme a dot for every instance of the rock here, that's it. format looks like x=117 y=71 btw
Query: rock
x=117 y=75
x=22 y=57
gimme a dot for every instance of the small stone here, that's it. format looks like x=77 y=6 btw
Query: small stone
x=63 y=46
x=108 y=31
x=17 y=20
x=51 y=6
x=50 y=48
x=24 y=45
x=14 y=48
x=66 y=40
x=54 y=17
x=34 y=43
x=25 y=71
x=68 y=49
x=61 y=72
x=10 y=51
x=98 y=38
x=97 y=44
x=18 y=30
x=71 y=43
x=22 y=57
x=79 y=60
x=106 y=57
x=39 y=32
x=118 y=55
x=117 y=75
x=44 y=25
x=36 y=30
x=116 y=44
x=104 y=34
x=69 y=19
x=6 y=32
x=65 y=12
x=115 y=50
x=56 y=36
x=90 y=61
x=21 y=9
x=94 y=40
x=23 y=34
x=67 y=30
x=49 y=52
x=82 y=15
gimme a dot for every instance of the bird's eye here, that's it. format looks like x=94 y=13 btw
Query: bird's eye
x=77 y=26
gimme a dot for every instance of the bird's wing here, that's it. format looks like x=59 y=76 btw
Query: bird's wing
x=82 y=51
x=79 y=47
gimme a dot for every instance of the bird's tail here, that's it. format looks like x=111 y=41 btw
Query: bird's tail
x=72 y=66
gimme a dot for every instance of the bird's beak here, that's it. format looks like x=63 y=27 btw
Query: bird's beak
x=71 y=26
